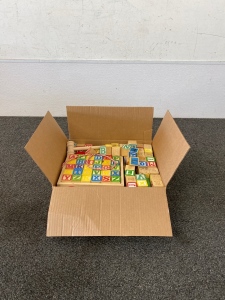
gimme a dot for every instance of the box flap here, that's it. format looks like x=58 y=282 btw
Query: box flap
x=99 y=125
x=169 y=147
x=105 y=211
x=47 y=147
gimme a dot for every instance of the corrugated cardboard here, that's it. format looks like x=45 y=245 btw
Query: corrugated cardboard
x=99 y=210
x=47 y=147
x=102 y=125
x=169 y=147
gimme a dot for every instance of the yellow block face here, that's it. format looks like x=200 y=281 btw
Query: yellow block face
x=86 y=167
x=142 y=183
x=71 y=161
x=68 y=171
x=87 y=172
x=85 y=178
x=106 y=162
x=91 y=157
x=106 y=173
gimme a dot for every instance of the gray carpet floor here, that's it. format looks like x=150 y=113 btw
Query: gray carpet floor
x=191 y=265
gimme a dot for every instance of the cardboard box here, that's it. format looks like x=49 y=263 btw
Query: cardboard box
x=105 y=210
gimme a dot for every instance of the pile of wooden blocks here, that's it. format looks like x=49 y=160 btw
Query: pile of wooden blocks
x=141 y=168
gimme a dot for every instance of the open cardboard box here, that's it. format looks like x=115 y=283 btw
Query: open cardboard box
x=107 y=210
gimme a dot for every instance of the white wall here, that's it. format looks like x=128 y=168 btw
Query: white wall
x=187 y=90
x=150 y=30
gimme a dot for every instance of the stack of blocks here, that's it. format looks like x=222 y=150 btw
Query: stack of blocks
x=88 y=164
x=141 y=168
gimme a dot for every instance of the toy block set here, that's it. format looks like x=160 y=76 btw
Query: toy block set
x=108 y=151
x=104 y=165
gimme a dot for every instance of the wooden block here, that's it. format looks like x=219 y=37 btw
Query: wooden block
x=132 y=184
x=129 y=167
x=130 y=179
x=115 y=151
x=107 y=167
x=134 y=161
x=102 y=150
x=144 y=171
x=151 y=164
x=129 y=172
x=68 y=171
x=156 y=180
x=148 y=146
x=108 y=145
x=87 y=172
x=153 y=170
x=105 y=172
x=106 y=162
x=96 y=172
x=85 y=178
x=142 y=183
x=140 y=146
x=96 y=178
x=69 y=166
x=150 y=158
x=141 y=153
x=148 y=152
x=140 y=177
x=115 y=144
x=131 y=142
x=115 y=178
x=115 y=173
x=106 y=178
x=76 y=178
x=124 y=151
x=66 y=177
x=143 y=164
x=108 y=150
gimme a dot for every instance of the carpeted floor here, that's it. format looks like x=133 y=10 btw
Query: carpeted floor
x=191 y=265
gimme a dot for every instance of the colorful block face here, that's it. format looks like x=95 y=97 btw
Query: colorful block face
x=85 y=178
x=117 y=167
x=134 y=161
x=66 y=177
x=72 y=161
x=106 y=178
x=80 y=161
x=126 y=146
x=77 y=171
x=131 y=184
x=79 y=166
x=142 y=183
x=150 y=158
x=68 y=171
x=98 y=157
x=115 y=178
x=97 y=167
x=106 y=167
x=143 y=164
x=106 y=173
x=69 y=166
x=87 y=172
x=76 y=177
x=129 y=173
x=102 y=150
x=106 y=162
x=96 y=178
x=96 y=172
x=151 y=164
x=97 y=162
x=140 y=177
x=107 y=157
x=116 y=157
x=134 y=150
x=89 y=162
x=115 y=173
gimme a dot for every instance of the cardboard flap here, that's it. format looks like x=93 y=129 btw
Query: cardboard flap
x=47 y=147
x=108 y=211
x=169 y=147
x=99 y=125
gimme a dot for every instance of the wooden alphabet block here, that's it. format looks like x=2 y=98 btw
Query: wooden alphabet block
x=151 y=164
x=134 y=161
x=140 y=177
x=85 y=178
x=76 y=178
x=129 y=172
x=96 y=172
x=115 y=151
x=141 y=153
x=105 y=172
x=69 y=166
x=130 y=181
x=106 y=178
x=68 y=171
x=129 y=167
x=132 y=142
x=153 y=170
x=66 y=177
x=115 y=144
x=142 y=183
x=102 y=150
x=124 y=151
x=150 y=158
x=96 y=178
x=115 y=178
x=156 y=180
x=143 y=164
